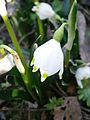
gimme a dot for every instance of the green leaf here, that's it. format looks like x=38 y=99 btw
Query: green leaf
x=72 y=25
x=14 y=77
x=53 y=102
x=56 y=5
x=65 y=8
x=75 y=47
x=84 y=93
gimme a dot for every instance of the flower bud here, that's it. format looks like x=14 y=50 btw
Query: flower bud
x=58 y=35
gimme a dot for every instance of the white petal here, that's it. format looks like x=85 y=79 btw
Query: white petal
x=61 y=69
x=49 y=57
x=3 y=10
x=80 y=83
x=9 y=0
x=6 y=64
x=18 y=63
x=45 y=11
x=34 y=9
x=42 y=79
x=32 y=62
x=82 y=73
x=34 y=69
x=36 y=3
x=44 y=75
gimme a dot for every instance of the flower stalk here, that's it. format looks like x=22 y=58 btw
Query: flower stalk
x=40 y=26
x=71 y=31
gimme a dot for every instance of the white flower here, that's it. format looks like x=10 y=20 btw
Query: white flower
x=9 y=0
x=9 y=61
x=49 y=59
x=6 y=64
x=45 y=11
x=82 y=73
x=3 y=10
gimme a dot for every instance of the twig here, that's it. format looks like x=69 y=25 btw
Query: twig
x=26 y=35
x=60 y=89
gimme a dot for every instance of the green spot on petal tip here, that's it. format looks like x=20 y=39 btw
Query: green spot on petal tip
x=60 y=75
x=34 y=69
x=32 y=62
x=43 y=77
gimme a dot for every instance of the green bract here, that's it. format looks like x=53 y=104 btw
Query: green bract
x=58 y=35
x=72 y=25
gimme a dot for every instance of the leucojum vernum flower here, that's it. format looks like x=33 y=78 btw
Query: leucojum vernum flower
x=82 y=73
x=45 y=11
x=9 y=61
x=49 y=59
x=49 y=56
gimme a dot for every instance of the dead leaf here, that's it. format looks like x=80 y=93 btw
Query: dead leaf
x=70 y=110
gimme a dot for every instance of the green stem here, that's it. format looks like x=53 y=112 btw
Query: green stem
x=25 y=76
x=67 y=56
x=35 y=0
x=14 y=39
x=40 y=25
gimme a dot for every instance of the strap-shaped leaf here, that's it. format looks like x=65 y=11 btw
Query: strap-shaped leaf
x=72 y=25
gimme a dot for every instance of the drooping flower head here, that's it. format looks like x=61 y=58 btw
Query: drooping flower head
x=82 y=74
x=45 y=11
x=49 y=56
x=10 y=60
x=49 y=59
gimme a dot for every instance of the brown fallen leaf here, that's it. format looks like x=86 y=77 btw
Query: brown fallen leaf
x=70 y=110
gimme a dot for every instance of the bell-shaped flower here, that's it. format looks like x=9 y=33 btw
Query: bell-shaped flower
x=10 y=60
x=49 y=59
x=82 y=73
x=6 y=64
x=45 y=11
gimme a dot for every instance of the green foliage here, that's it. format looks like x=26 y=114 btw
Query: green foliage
x=72 y=25
x=53 y=102
x=84 y=93
x=75 y=47
x=14 y=94
x=58 y=35
x=66 y=7
x=26 y=22
x=56 y=4
x=13 y=88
